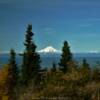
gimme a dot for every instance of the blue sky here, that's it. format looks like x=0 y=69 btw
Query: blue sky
x=77 y=21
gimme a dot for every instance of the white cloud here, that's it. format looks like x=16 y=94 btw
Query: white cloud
x=93 y=51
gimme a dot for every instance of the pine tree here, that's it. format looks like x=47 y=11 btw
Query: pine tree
x=65 y=57
x=86 y=71
x=53 y=69
x=12 y=75
x=13 y=67
x=85 y=64
x=31 y=59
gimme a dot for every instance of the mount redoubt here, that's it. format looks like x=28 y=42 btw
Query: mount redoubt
x=49 y=49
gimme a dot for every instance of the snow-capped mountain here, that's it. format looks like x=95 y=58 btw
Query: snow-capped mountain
x=49 y=49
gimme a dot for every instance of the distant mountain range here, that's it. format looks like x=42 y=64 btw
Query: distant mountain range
x=50 y=54
x=52 y=50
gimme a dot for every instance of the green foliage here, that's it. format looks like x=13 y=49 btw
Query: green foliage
x=85 y=64
x=13 y=70
x=13 y=74
x=31 y=60
x=30 y=46
x=65 y=57
x=54 y=68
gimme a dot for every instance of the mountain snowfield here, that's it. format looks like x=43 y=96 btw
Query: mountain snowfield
x=49 y=49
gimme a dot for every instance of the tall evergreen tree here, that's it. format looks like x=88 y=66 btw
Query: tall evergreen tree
x=14 y=68
x=12 y=74
x=65 y=57
x=31 y=59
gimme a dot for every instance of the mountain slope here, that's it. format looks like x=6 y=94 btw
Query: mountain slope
x=49 y=49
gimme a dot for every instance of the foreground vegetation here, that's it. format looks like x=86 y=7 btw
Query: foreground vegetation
x=66 y=81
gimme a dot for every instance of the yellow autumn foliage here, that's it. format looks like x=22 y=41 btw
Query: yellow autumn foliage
x=3 y=82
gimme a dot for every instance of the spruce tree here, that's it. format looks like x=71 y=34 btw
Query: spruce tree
x=86 y=71
x=85 y=64
x=53 y=69
x=13 y=67
x=65 y=57
x=12 y=74
x=31 y=59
